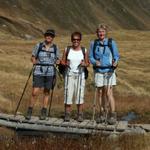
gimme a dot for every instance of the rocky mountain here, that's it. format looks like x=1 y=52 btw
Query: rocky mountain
x=25 y=18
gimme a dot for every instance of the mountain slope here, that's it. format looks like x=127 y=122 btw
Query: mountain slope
x=32 y=17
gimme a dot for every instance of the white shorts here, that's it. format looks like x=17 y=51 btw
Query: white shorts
x=105 y=79
x=74 y=86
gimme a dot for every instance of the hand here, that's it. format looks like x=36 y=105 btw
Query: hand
x=115 y=64
x=34 y=60
x=98 y=63
x=68 y=62
x=57 y=62
x=83 y=64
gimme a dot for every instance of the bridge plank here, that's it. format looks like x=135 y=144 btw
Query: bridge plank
x=122 y=125
x=83 y=124
x=58 y=124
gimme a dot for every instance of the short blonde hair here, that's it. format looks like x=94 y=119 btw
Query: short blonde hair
x=102 y=26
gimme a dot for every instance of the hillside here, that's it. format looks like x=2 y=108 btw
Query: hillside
x=25 y=18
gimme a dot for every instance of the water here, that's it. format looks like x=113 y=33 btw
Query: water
x=130 y=116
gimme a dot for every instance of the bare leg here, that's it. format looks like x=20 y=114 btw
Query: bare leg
x=35 y=92
x=80 y=108
x=113 y=116
x=110 y=98
x=101 y=102
x=67 y=108
x=80 y=112
x=67 y=112
x=99 y=98
x=45 y=98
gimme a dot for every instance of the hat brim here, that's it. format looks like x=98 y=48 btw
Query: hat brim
x=49 y=34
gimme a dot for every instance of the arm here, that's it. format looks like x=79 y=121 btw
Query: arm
x=57 y=56
x=34 y=58
x=115 y=53
x=86 y=59
x=85 y=62
x=63 y=60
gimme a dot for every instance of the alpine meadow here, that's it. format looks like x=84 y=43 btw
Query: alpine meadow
x=22 y=24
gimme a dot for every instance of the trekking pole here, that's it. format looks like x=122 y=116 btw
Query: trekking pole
x=23 y=91
x=51 y=96
x=80 y=77
x=76 y=91
x=52 y=91
x=60 y=76
x=66 y=85
x=107 y=105
x=94 y=104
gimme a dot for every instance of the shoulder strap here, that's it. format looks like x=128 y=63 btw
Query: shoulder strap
x=55 y=49
x=39 y=49
x=94 y=47
x=69 y=47
x=83 y=51
x=110 y=46
x=67 y=52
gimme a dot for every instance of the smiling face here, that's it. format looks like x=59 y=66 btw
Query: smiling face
x=76 y=41
x=101 y=33
x=48 y=39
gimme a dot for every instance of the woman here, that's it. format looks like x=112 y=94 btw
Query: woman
x=44 y=57
x=75 y=58
x=104 y=56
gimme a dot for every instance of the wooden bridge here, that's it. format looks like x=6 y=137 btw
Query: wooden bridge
x=58 y=125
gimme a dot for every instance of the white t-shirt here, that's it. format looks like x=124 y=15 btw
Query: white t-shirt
x=75 y=57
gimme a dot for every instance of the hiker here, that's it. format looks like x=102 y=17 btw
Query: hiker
x=104 y=56
x=75 y=58
x=44 y=56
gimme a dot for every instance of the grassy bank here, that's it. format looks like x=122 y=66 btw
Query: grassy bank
x=131 y=93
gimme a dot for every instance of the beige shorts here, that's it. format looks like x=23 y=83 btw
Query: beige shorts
x=105 y=79
x=74 y=86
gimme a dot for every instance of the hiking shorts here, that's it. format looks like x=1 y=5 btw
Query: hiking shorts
x=74 y=86
x=105 y=79
x=46 y=82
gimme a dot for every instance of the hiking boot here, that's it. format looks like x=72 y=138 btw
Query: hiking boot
x=29 y=113
x=67 y=117
x=43 y=114
x=100 y=119
x=80 y=117
x=113 y=118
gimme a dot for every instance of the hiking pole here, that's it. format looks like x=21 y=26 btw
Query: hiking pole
x=23 y=91
x=60 y=76
x=52 y=90
x=76 y=91
x=80 y=77
x=51 y=98
x=51 y=95
x=94 y=104
x=66 y=85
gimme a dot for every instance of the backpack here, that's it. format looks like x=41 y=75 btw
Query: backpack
x=40 y=49
x=62 y=68
x=55 y=49
x=109 y=45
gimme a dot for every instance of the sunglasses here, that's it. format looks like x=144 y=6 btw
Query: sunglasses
x=76 y=39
